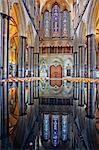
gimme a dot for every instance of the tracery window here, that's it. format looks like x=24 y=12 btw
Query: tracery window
x=46 y=24
x=65 y=24
x=55 y=21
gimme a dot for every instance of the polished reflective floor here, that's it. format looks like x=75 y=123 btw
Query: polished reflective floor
x=38 y=116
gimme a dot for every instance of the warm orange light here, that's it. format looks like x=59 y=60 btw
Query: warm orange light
x=47 y=78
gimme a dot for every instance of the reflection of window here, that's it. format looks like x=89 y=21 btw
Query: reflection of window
x=55 y=20
x=68 y=72
x=46 y=24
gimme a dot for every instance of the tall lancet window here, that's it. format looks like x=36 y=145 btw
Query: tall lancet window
x=65 y=24
x=55 y=21
x=46 y=24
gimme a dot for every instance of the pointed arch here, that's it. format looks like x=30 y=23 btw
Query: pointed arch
x=92 y=16
x=19 y=17
x=30 y=35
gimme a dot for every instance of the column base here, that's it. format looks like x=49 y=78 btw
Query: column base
x=80 y=105
x=75 y=98
x=30 y=103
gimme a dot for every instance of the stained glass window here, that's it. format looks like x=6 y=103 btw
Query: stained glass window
x=55 y=20
x=46 y=24
x=65 y=24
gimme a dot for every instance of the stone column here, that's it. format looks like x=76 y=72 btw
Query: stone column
x=36 y=74
x=90 y=74
x=41 y=27
x=30 y=68
x=75 y=75
x=21 y=74
x=81 y=75
x=4 y=46
x=4 y=74
x=22 y=57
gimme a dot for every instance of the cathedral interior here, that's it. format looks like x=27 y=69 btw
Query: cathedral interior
x=49 y=74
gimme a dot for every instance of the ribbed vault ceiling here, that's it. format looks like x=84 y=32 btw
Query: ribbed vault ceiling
x=44 y=2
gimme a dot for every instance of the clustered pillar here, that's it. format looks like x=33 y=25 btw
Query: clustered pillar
x=76 y=75
x=79 y=72
x=81 y=75
x=4 y=74
x=30 y=69
x=21 y=74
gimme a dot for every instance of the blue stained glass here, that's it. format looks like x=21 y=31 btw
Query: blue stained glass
x=55 y=20
x=46 y=127
x=64 y=127
x=46 y=24
x=55 y=128
x=65 y=24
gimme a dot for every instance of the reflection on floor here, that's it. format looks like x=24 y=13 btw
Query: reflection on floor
x=47 y=122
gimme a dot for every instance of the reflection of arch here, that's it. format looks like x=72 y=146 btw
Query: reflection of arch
x=14 y=110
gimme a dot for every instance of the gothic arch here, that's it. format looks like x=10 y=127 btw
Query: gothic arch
x=5 y=6
x=20 y=17
x=93 y=14
x=30 y=35
x=82 y=32
x=49 y=4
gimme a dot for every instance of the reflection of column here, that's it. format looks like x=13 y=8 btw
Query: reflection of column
x=90 y=74
x=21 y=98
x=30 y=68
x=21 y=74
x=90 y=99
x=4 y=73
x=4 y=122
x=81 y=74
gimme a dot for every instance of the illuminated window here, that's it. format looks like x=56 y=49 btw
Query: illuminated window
x=65 y=24
x=46 y=24
x=55 y=20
